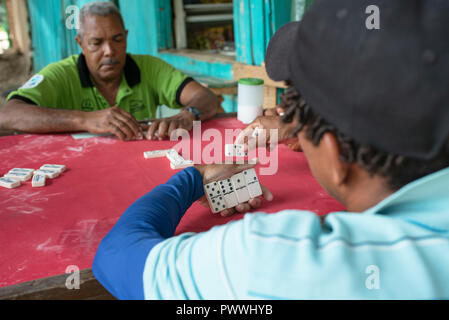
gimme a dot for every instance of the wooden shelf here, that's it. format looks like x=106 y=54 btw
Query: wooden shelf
x=210 y=18
x=205 y=8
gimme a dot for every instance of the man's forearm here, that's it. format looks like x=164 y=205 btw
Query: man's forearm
x=20 y=116
x=121 y=256
x=207 y=104
x=195 y=95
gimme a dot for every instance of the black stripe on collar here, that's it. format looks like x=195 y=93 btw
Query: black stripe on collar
x=132 y=72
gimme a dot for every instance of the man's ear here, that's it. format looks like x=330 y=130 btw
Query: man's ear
x=78 y=40
x=339 y=170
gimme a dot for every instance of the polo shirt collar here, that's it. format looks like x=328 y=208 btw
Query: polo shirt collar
x=131 y=71
x=424 y=202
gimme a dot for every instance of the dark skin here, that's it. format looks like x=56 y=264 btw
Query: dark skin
x=104 y=43
x=351 y=185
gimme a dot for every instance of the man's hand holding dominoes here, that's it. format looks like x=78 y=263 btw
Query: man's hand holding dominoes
x=267 y=131
x=232 y=188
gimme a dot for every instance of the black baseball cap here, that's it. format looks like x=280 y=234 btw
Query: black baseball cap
x=387 y=87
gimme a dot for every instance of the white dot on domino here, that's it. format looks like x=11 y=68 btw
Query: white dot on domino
x=235 y=150
x=252 y=182
x=215 y=197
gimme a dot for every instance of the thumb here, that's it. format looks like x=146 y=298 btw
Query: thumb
x=246 y=133
x=267 y=195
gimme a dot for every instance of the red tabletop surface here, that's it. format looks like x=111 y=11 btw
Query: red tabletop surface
x=45 y=230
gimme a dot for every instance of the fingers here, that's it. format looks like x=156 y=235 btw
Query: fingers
x=172 y=127
x=123 y=127
x=119 y=129
x=129 y=121
x=151 y=134
x=242 y=208
x=252 y=204
x=271 y=112
x=280 y=111
x=162 y=129
x=123 y=124
x=227 y=213
x=246 y=133
x=266 y=194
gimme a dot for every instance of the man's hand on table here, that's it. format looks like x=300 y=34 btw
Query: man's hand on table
x=216 y=172
x=162 y=129
x=114 y=120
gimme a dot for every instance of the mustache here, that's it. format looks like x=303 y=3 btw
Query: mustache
x=110 y=62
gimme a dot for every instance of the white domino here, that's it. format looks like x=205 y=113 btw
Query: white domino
x=9 y=183
x=54 y=167
x=22 y=170
x=47 y=173
x=38 y=181
x=235 y=150
x=256 y=132
x=19 y=176
x=155 y=154
x=215 y=197
x=182 y=165
x=229 y=195
x=252 y=183
x=240 y=188
x=174 y=157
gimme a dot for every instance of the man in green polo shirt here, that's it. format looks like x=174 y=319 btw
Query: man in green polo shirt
x=106 y=90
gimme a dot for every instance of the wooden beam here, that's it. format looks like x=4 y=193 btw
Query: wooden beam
x=54 y=288
x=246 y=71
x=270 y=97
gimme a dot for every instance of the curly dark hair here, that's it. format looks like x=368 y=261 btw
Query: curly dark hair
x=398 y=170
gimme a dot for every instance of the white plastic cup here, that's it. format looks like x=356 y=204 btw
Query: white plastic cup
x=250 y=99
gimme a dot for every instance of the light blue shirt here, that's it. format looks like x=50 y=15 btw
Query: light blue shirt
x=398 y=249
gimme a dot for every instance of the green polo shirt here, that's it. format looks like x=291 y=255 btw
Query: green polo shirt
x=147 y=83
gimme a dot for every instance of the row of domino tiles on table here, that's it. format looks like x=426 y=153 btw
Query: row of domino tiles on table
x=16 y=176
x=176 y=160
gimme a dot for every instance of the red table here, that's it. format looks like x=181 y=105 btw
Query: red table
x=45 y=230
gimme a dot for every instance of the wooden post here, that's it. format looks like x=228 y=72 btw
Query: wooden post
x=180 y=24
x=18 y=26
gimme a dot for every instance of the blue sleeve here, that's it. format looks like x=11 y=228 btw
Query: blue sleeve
x=121 y=256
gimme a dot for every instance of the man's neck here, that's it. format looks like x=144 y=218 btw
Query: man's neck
x=366 y=193
x=109 y=89
x=107 y=84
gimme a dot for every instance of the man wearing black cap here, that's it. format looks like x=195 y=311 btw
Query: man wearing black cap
x=370 y=111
